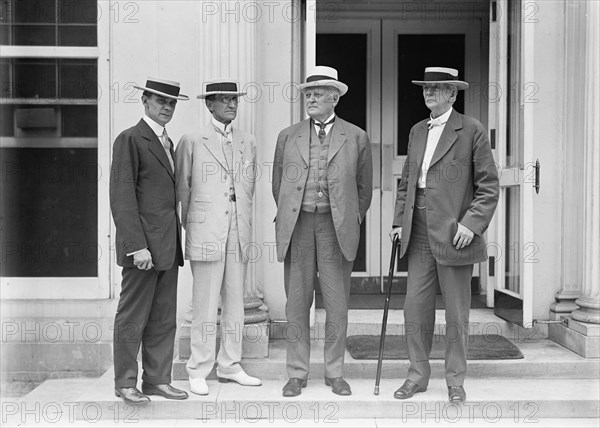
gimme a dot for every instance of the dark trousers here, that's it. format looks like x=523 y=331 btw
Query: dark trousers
x=314 y=248
x=425 y=276
x=146 y=315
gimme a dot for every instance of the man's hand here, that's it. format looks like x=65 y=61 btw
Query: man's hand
x=396 y=231
x=143 y=260
x=463 y=237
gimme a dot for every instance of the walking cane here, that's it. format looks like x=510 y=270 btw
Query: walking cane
x=385 y=313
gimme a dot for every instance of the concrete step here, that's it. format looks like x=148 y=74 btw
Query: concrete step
x=492 y=400
x=542 y=359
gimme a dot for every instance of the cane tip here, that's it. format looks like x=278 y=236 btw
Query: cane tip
x=376 y=392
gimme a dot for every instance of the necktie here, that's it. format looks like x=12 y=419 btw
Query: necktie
x=166 y=142
x=322 y=133
x=435 y=122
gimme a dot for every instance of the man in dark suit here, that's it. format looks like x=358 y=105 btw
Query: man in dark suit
x=322 y=185
x=148 y=246
x=445 y=202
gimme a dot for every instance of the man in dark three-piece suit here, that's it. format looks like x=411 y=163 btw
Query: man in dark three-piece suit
x=148 y=247
x=322 y=185
x=445 y=202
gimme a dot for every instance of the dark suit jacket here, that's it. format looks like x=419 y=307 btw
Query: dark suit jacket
x=349 y=174
x=462 y=186
x=143 y=199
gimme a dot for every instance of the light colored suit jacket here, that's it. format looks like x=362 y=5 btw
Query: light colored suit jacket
x=203 y=187
x=462 y=186
x=143 y=199
x=349 y=174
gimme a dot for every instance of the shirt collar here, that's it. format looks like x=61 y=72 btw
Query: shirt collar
x=156 y=127
x=225 y=129
x=328 y=119
x=443 y=118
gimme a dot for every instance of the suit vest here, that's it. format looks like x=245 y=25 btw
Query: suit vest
x=316 y=191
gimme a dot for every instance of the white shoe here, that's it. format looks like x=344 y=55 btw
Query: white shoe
x=198 y=386
x=240 y=377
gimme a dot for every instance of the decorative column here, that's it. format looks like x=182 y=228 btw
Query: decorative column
x=589 y=302
x=573 y=144
x=582 y=331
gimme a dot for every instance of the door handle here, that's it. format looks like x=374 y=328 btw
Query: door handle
x=537 y=177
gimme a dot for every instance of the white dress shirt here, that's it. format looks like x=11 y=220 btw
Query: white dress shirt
x=433 y=137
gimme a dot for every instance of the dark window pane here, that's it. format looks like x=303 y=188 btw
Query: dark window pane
x=78 y=79
x=413 y=56
x=6 y=120
x=78 y=35
x=78 y=11
x=33 y=11
x=35 y=78
x=34 y=35
x=79 y=121
x=5 y=79
x=4 y=35
x=53 y=231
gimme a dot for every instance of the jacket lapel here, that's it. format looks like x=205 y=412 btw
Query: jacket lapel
x=155 y=146
x=213 y=144
x=448 y=137
x=338 y=138
x=303 y=141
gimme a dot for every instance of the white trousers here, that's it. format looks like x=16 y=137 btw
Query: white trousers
x=222 y=278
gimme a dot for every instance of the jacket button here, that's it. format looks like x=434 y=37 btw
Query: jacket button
x=299 y=188
x=294 y=210
x=226 y=212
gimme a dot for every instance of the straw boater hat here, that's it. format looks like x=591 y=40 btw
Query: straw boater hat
x=164 y=88
x=435 y=75
x=322 y=75
x=224 y=86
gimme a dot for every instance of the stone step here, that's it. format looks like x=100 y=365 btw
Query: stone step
x=543 y=358
x=492 y=400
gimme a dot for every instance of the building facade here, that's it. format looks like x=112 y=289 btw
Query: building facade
x=68 y=71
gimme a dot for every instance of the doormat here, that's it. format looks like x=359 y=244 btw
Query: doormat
x=480 y=347
x=377 y=301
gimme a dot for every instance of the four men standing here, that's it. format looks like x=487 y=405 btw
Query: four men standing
x=322 y=185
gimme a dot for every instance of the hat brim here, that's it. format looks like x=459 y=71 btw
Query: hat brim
x=458 y=83
x=340 y=86
x=208 y=94
x=162 y=94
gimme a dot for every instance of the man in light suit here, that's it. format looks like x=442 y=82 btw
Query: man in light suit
x=148 y=246
x=215 y=184
x=322 y=185
x=445 y=202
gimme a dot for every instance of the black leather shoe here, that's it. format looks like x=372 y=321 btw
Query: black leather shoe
x=164 y=390
x=131 y=395
x=456 y=394
x=293 y=387
x=408 y=390
x=338 y=385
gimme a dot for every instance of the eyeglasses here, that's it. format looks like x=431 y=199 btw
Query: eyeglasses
x=228 y=99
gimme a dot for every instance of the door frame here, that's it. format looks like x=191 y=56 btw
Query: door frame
x=511 y=176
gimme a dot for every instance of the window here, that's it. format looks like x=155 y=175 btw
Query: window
x=49 y=138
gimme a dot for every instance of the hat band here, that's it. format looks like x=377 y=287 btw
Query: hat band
x=436 y=76
x=163 y=87
x=221 y=87
x=314 y=78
